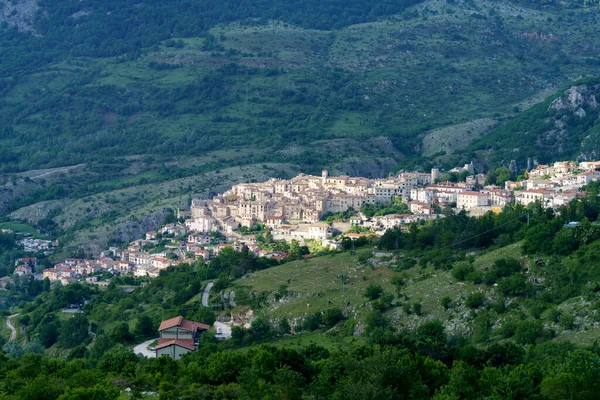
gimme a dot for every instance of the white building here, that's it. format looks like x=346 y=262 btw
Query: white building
x=469 y=200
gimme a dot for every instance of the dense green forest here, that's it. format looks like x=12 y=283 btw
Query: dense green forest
x=103 y=80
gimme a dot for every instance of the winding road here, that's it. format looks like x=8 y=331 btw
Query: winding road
x=142 y=349
x=206 y=293
x=13 y=330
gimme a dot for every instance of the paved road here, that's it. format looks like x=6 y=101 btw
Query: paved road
x=143 y=349
x=225 y=330
x=13 y=331
x=206 y=293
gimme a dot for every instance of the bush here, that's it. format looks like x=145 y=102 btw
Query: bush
x=446 y=302
x=527 y=332
x=567 y=321
x=502 y=268
x=475 y=300
x=461 y=270
x=384 y=302
x=417 y=308
x=515 y=285
x=311 y=322
x=373 y=291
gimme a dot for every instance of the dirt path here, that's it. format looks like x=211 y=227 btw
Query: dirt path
x=13 y=330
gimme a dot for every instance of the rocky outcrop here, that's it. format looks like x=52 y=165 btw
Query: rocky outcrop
x=576 y=99
x=19 y=14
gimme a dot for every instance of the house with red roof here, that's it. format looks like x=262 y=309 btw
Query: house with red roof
x=178 y=336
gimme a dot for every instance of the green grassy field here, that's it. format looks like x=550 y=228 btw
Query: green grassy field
x=316 y=284
x=20 y=228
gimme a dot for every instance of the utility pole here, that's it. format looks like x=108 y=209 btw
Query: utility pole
x=527 y=219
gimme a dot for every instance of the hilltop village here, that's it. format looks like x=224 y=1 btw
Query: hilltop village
x=297 y=210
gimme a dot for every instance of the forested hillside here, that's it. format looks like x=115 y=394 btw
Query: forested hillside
x=99 y=80
x=564 y=126
x=123 y=100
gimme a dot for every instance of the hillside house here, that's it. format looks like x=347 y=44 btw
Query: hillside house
x=418 y=207
x=469 y=200
x=178 y=337
x=23 y=270
x=527 y=197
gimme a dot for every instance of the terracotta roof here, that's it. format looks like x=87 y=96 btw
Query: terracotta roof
x=187 y=325
x=182 y=323
x=169 y=323
x=176 y=343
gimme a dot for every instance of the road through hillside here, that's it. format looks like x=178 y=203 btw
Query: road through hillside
x=13 y=330
x=206 y=293
x=142 y=349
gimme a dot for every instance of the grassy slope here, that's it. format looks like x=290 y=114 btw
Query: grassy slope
x=316 y=282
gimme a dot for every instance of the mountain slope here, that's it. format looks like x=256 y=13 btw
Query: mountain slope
x=271 y=84
x=565 y=126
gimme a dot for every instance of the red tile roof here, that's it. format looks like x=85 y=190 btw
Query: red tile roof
x=182 y=323
x=169 y=323
x=188 y=342
x=176 y=343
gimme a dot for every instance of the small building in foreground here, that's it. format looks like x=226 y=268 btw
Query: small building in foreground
x=178 y=336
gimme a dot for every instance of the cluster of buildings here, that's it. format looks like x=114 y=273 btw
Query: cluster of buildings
x=37 y=245
x=293 y=209
x=555 y=185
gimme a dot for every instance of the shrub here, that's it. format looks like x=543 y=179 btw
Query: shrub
x=332 y=316
x=446 y=302
x=373 y=291
x=474 y=300
x=461 y=270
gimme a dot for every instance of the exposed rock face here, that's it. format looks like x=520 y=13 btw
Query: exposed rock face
x=575 y=98
x=373 y=158
x=367 y=167
x=19 y=14
x=577 y=105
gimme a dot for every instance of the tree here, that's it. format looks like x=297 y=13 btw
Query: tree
x=120 y=332
x=34 y=347
x=74 y=331
x=528 y=331
x=205 y=315
x=331 y=316
x=98 y=392
x=446 y=302
x=474 y=300
x=48 y=334
x=373 y=291
x=118 y=360
x=260 y=328
x=289 y=383
x=13 y=349
x=144 y=327
x=284 y=326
